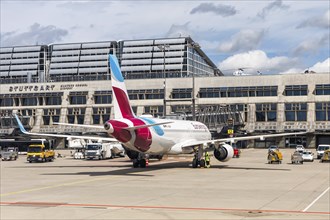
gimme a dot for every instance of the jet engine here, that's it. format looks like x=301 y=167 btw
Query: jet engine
x=224 y=153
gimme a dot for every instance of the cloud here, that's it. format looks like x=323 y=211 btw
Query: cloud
x=179 y=30
x=220 y=9
x=312 y=46
x=243 y=41
x=271 y=7
x=321 y=66
x=322 y=21
x=256 y=60
x=36 y=34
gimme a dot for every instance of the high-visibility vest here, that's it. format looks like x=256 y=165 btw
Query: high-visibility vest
x=207 y=157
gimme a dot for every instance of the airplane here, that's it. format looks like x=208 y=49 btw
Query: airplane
x=147 y=136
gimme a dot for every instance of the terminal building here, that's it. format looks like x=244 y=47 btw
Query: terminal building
x=70 y=83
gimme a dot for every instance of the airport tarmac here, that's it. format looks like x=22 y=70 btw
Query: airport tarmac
x=243 y=188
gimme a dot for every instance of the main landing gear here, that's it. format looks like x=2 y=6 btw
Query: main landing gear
x=199 y=158
x=140 y=161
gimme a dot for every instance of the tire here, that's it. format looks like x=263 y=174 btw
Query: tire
x=30 y=161
x=202 y=163
x=135 y=163
x=143 y=163
x=194 y=163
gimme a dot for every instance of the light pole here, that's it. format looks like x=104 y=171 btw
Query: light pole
x=163 y=48
x=194 y=46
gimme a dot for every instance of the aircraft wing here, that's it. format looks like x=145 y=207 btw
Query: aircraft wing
x=79 y=125
x=206 y=143
x=21 y=127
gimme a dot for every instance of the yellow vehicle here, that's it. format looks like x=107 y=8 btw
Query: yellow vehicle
x=326 y=156
x=39 y=152
x=274 y=156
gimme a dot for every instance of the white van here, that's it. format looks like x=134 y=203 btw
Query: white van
x=320 y=150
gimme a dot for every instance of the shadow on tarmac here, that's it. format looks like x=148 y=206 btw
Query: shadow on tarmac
x=147 y=172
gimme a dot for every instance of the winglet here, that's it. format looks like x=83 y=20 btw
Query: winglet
x=20 y=125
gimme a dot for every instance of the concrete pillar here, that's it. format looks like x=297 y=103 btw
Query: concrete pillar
x=280 y=117
x=310 y=141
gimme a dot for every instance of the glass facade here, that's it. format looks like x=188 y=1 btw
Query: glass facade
x=322 y=89
x=266 y=112
x=183 y=93
x=146 y=94
x=248 y=91
x=296 y=111
x=322 y=111
x=296 y=90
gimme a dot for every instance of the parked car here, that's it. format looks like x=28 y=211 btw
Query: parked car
x=9 y=153
x=307 y=155
x=320 y=150
x=300 y=148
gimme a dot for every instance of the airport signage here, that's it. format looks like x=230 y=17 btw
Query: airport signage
x=41 y=88
x=31 y=88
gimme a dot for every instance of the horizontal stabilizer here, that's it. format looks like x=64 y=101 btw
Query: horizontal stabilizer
x=96 y=138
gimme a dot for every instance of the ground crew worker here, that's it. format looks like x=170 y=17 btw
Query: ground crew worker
x=207 y=160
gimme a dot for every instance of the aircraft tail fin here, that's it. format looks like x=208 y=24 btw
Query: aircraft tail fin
x=120 y=98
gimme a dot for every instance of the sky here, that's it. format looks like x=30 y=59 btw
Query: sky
x=273 y=37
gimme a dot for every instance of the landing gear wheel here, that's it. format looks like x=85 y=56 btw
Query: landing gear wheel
x=195 y=163
x=135 y=163
x=143 y=163
x=202 y=163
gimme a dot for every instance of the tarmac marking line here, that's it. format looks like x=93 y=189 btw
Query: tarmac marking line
x=159 y=207
x=53 y=186
x=315 y=200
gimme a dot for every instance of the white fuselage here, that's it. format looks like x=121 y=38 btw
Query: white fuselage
x=165 y=137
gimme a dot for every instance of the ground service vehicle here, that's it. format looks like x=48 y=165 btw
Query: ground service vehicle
x=307 y=155
x=272 y=148
x=39 y=152
x=9 y=153
x=296 y=157
x=78 y=145
x=99 y=151
x=275 y=156
x=320 y=150
x=237 y=152
x=300 y=148
x=326 y=156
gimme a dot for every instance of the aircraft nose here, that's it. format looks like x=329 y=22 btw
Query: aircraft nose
x=108 y=127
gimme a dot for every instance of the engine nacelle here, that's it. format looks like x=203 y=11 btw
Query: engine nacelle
x=224 y=153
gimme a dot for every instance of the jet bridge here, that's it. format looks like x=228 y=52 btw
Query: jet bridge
x=216 y=117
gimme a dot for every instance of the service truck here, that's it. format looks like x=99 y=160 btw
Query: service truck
x=9 y=153
x=103 y=151
x=39 y=152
